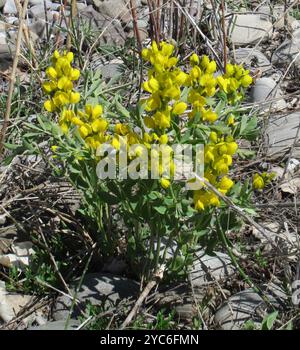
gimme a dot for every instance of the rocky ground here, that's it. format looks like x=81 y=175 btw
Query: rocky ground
x=266 y=38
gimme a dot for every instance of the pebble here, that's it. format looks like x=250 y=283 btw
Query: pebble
x=248 y=29
x=208 y=268
x=280 y=135
x=10 y=8
x=246 y=305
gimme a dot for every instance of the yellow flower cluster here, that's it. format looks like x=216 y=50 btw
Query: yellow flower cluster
x=60 y=84
x=217 y=158
x=165 y=81
x=63 y=98
x=235 y=78
x=260 y=181
x=203 y=84
x=164 y=84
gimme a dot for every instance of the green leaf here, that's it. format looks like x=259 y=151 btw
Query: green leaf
x=161 y=209
x=269 y=320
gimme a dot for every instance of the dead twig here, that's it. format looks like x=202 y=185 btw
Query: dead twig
x=156 y=278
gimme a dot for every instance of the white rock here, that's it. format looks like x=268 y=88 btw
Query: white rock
x=248 y=29
x=11 y=304
x=10 y=8
x=208 y=268
x=245 y=305
x=265 y=89
x=280 y=135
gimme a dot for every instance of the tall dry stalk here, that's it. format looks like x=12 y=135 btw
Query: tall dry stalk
x=21 y=12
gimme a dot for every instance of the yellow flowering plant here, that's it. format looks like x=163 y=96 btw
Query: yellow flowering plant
x=184 y=103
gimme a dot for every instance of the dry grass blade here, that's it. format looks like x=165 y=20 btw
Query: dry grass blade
x=22 y=12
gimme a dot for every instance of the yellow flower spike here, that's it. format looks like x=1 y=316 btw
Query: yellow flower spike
x=162 y=120
x=49 y=106
x=258 y=182
x=179 y=108
x=227 y=159
x=173 y=93
x=74 y=97
x=165 y=183
x=209 y=157
x=163 y=139
x=194 y=59
x=97 y=111
x=51 y=73
x=99 y=125
x=54 y=148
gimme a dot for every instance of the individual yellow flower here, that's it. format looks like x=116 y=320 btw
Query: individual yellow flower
x=194 y=59
x=258 y=182
x=179 y=108
x=165 y=183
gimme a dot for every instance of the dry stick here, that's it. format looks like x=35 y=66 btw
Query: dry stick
x=22 y=12
x=69 y=24
x=153 y=21
x=156 y=278
x=135 y=25
x=224 y=35
x=158 y=18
